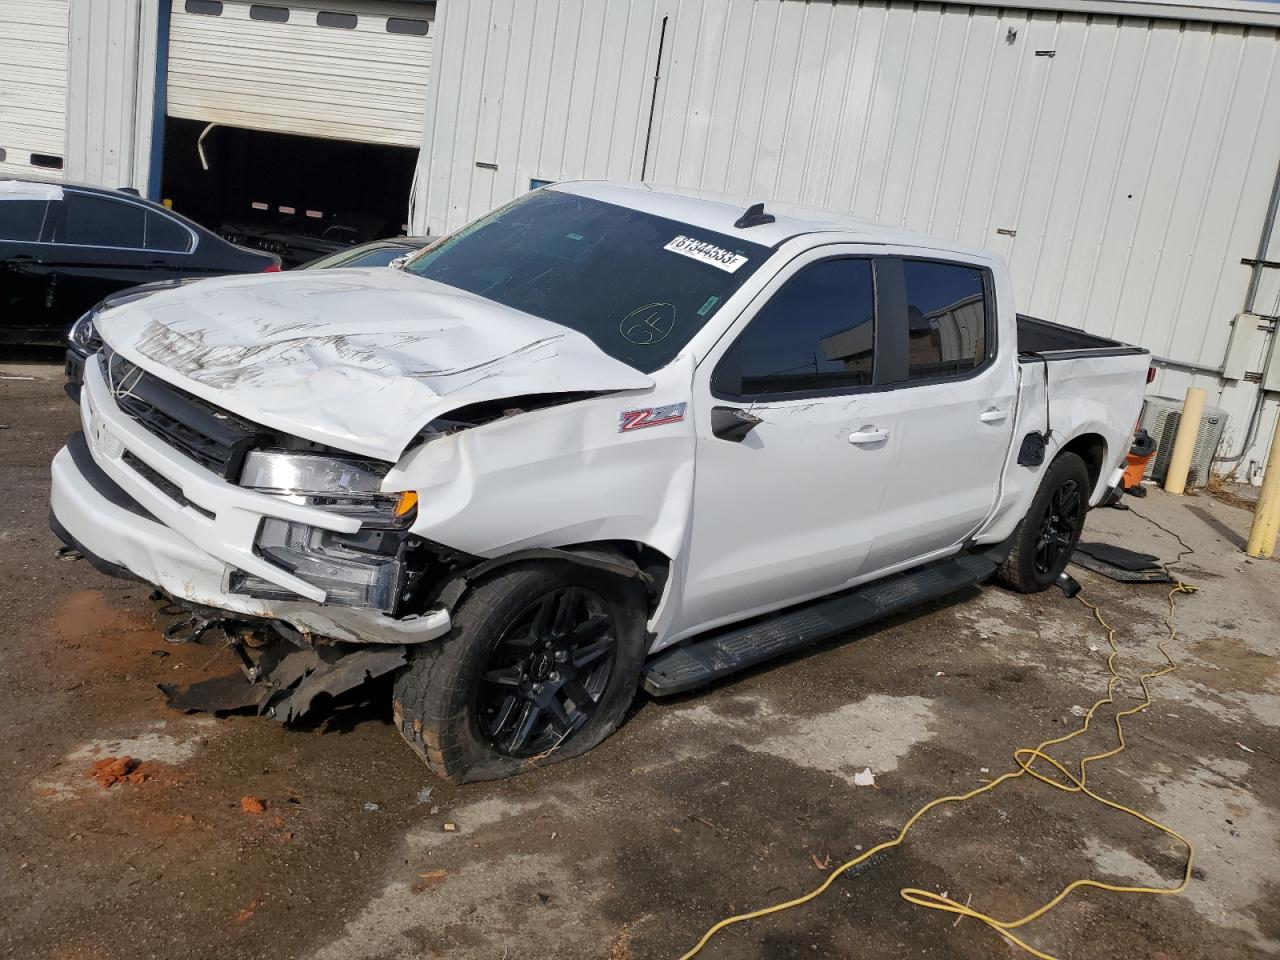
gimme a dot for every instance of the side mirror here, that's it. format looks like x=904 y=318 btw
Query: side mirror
x=732 y=423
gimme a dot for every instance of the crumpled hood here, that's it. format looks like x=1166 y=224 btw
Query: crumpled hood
x=358 y=359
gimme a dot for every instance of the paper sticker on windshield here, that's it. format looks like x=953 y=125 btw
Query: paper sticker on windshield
x=726 y=260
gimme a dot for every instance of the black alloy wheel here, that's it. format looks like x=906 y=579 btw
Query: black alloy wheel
x=547 y=672
x=1040 y=547
x=1059 y=527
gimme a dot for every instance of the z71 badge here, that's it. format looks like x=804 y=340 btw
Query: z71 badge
x=650 y=417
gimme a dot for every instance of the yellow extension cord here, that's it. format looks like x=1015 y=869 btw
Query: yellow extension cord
x=1025 y=757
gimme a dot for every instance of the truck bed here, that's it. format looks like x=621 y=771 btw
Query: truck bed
x=1052 y=341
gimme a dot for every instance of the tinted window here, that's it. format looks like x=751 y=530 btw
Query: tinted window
x=640 y=286
x=101 y=222
x=21 y=219
x=205 y=8
x=165 y=233
x=946 y=319
x=816 y=333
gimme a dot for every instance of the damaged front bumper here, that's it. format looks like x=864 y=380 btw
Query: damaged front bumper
x=197 y=546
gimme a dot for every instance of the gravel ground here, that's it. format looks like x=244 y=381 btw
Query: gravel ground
x=700 y=806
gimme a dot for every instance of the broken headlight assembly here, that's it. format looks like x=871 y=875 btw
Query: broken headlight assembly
x=360 y=569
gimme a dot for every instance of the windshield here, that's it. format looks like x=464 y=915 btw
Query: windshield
x=640 y=286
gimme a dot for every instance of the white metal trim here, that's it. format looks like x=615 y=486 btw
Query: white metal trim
x=1245 y=12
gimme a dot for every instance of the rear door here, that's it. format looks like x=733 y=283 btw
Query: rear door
x=787 y=511
x=98 y=247
x=957 y=396
x=23 y=282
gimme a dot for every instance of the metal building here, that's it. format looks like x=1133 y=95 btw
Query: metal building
x=1123 y=154
x=253 y=118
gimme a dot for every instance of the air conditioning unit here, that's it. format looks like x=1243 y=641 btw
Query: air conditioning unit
x=1160 y=418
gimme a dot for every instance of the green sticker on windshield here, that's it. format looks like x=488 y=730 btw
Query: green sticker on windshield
x=707 y=307
x=574 y=236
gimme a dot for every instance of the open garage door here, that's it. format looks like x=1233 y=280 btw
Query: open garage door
x=295 y=127
x=33 y=87
x=340 y=69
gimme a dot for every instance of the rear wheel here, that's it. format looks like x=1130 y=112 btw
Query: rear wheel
x=1046 y=537
x=541 y=665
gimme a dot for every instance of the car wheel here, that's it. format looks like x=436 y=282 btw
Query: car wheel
x=540 y=665
x=1046 y=537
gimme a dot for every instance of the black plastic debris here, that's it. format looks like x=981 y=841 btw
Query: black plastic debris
x=1120 y=564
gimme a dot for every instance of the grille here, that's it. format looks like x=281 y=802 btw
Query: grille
x=163 y=484
x=214 y=438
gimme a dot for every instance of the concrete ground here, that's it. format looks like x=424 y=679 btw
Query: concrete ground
x=698 y=807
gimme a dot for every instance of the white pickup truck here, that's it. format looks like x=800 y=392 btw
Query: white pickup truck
x=604 y=436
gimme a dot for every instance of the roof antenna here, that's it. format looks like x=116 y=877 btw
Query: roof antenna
x=754 y=217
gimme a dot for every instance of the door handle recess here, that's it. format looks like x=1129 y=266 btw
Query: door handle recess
x=868 y=435
x=994 y=415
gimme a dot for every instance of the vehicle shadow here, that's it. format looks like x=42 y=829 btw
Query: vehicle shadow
x=369 y=703
x=1218 y=527
x=21 y=354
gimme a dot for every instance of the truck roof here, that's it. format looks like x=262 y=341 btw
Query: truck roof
x=715 y=211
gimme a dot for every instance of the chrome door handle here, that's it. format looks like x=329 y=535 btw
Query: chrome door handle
x=994 y=415
x=868 y=435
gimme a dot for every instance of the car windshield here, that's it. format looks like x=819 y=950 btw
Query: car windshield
x=640 y=286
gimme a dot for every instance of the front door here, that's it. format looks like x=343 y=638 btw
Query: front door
x=99 y=248
x=786 y=509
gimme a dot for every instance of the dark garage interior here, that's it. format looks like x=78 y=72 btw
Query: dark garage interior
x=287 y=194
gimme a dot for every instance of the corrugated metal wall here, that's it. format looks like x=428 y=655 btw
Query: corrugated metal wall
x=1123 y=165
x=33 y=86
x=111 y=91
x=537 y=90
x=1116 y=163
x=1120 y=175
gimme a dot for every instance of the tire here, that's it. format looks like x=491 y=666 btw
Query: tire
x=1042 y=546
x=453 y=701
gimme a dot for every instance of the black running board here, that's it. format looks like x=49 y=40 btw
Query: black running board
x=738 y=647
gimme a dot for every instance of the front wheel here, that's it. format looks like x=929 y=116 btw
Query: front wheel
x=1046 y=537
x=541 y=664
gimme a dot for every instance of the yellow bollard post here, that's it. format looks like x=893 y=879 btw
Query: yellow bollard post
x=1184 y=444
x=1266 y=516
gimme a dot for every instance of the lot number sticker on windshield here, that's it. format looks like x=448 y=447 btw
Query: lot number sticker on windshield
x=726 y=260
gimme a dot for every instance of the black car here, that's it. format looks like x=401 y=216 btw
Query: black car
x=83 y=340
x=376 y=253
x=299 y=240
x=65 y=248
